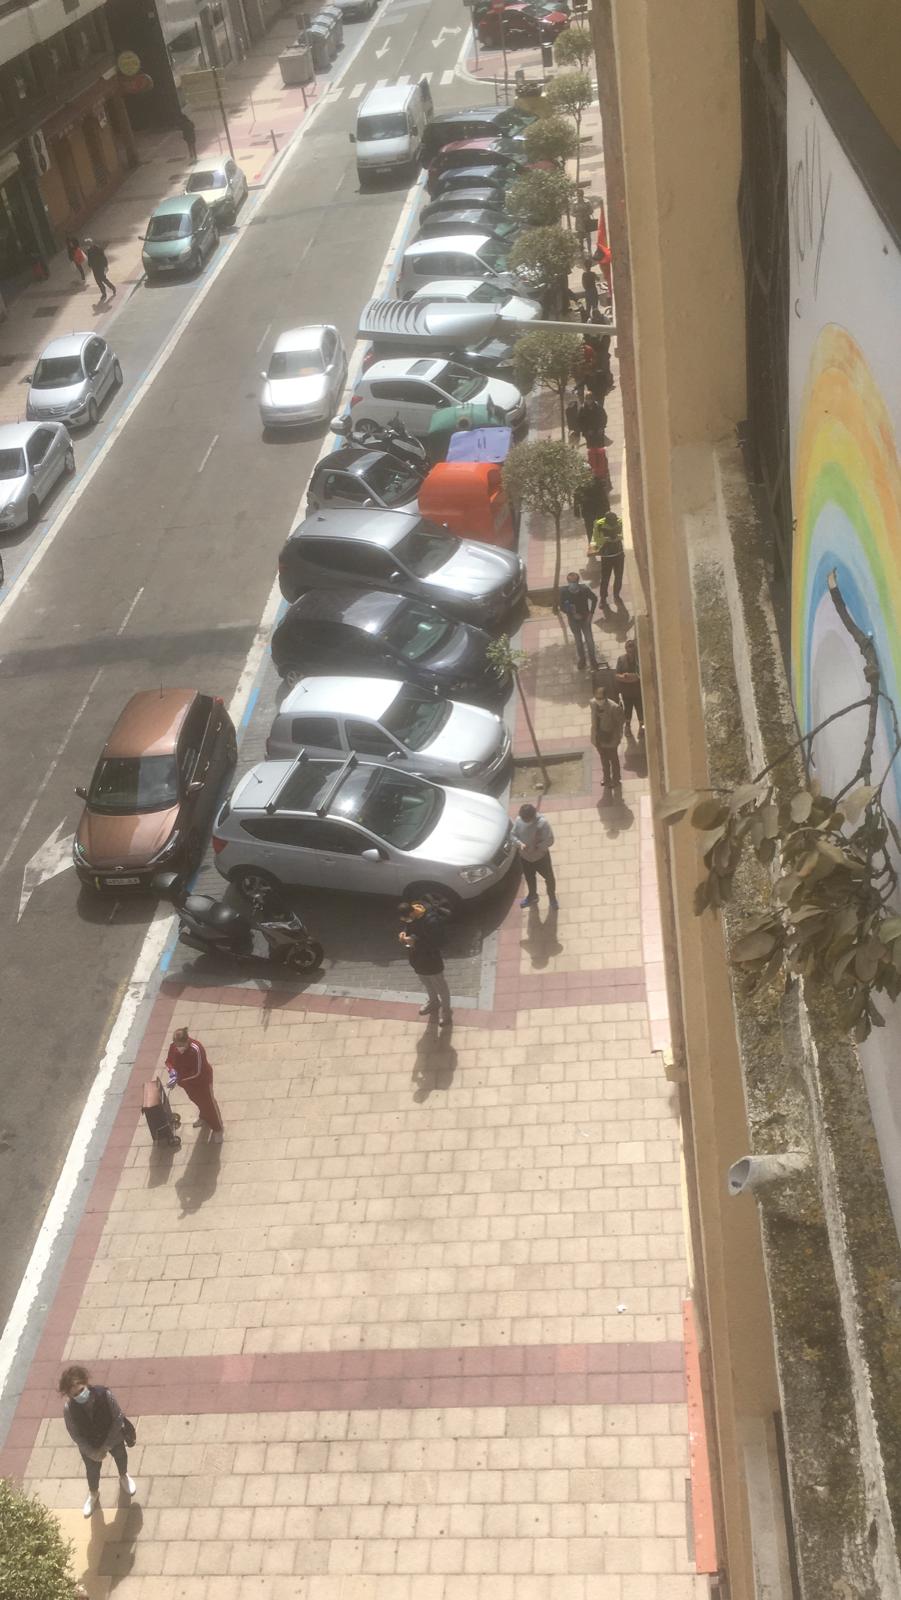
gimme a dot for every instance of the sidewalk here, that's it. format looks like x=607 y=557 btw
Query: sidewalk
x=416 y=1330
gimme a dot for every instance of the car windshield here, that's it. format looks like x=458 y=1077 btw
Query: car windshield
x=171 y=225
x=415 y=721
x=493 y=256
x=55 y=371
x=12 y=464
x=488 y=294
x=390 y=125
x=394 y=483
x=423 y=552
x=460 y=384
x=415 y=632
x=511 y=121
x=126 y=784
x=295 y=364
x=402 y=811
x=199 y=181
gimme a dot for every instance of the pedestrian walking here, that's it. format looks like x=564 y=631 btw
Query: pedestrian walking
x=590 y=289
x=584 y=222
x=571 y=415
x=578 y=603
x=190 y=1070
x=95 y=1421
x=534 y=836
x=99 y=265
x=628 y=679
x=76 y=255
x=606 y=734
x=591 y=503
x=423 y=935
x=189 y=134
x=608 y=544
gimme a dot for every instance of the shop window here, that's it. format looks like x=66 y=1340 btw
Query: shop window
x=56 y=61
x=24 y=79
x=94 y=142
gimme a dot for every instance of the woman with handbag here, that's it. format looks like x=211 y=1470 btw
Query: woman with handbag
x=94 y=1419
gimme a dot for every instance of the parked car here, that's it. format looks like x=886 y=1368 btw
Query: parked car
x=222 y=185
x=181 y=235
x=480 y=292
x=72 y=379
x=357 y=476
x=469 y=152
x=390 y=128
x=455 y=255
x=522 y=27
x=355 y=10
x=474 y=122
x=388 y=720
x=481 y=175
x=472 y=199
x=402 y=552
x=381 y=635
x=305 y=378
x=33 y=455
x=154 y=789
x=360 y=826
x=471 y=219
x=415 y=387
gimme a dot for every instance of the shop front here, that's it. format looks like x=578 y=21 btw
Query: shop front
x=24 y=237
x=89 y=149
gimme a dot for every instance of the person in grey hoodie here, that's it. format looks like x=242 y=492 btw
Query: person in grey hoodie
x=534 y=837
x=94 y=1419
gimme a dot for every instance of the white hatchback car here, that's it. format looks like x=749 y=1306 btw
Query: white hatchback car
x=480 y=292
x=223 y=186
x=305 y=378
x=32 y=456
x=414 y=388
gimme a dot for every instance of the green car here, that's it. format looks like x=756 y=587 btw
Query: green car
x=181 y=235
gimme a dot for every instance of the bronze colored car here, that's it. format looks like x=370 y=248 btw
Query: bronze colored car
x=154 y=789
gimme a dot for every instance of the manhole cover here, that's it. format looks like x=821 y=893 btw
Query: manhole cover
x=45 y=311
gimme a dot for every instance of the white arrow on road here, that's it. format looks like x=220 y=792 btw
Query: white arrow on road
x=54 y=856
x=449 y=32
x=382 y=50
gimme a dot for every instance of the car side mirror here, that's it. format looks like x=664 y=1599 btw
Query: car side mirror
x=396 y=577
x=142 y=237
x=264 y=375
x=397 y=755
x=373 y=855
x=352 y=137
x=29 y=377
x=195 y=786
x=82 y=793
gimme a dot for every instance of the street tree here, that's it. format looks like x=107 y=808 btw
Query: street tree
x=538 y=199
x=35 y=1558
x=505 y=658
x=545 y=475
x=572 y=94
x=573 y=48
x=547 y=359
x=550 y=139
x=545 y=257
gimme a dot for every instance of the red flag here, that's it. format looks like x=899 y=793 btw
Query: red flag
x=604 y=255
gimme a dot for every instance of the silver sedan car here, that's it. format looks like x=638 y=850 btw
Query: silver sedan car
x=306 y=378
x=223 y=186
x=72 y=379
x=33 y=455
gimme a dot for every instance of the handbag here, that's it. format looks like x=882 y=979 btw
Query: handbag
x=129 y=1433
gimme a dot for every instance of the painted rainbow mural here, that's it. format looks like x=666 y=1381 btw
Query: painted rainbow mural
x=847 y=505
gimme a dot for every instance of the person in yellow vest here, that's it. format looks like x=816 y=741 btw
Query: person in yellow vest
x=607 y=542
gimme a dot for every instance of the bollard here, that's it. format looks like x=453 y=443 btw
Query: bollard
x=274 y=142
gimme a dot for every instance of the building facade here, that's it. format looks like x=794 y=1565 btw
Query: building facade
x=754 y=190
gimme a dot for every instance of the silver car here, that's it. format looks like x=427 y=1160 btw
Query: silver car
x=223 y=186
x=33 y=455
x=72 y=379
x=306 y=377
x=360 y=826
x=386 y=719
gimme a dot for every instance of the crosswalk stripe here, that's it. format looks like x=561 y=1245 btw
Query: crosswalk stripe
x=425 y=77
x=447 y=77
x=380 y=83
x=402 y=82
x=356 y=91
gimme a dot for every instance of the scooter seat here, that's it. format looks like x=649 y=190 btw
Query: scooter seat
x=212 y=913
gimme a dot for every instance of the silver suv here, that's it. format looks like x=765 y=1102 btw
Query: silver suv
x=361 y=826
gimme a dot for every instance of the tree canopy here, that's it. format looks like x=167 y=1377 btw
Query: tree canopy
x=550 y=139
x=35 y=1558
x=538 y=198
x=544 y=256
x=573 y=47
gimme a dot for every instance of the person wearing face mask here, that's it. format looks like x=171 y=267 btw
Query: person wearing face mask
x=190 y=1070
x=578 y=604
x=94 y=1420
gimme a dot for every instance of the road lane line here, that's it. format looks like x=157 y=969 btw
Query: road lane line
x=209 y=451
x=447 y=77
x=49 y=773
x=380 y=83
x=263 y=337
x=402 y=82
x=129 y=613
x=356 y=91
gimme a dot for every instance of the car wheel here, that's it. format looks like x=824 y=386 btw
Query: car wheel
x=33 y=509
x=250 y=881
x=92 y=414
x=364 y=422
x=69 y=462
x=117 y=375
x=436 y=894
x=229 y=218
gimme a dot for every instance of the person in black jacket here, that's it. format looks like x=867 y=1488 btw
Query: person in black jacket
x=94 y=1419
x=99 y=265
x=423 y=936
x=578 y=604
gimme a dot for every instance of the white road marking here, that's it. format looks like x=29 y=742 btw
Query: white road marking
x=447 y=77
x=383 y=49
x=209 y=451
x=445 y=33
x=402 y=82
x=425 y=77
x=356 y=91
x=53 y=857
x=380 y=83
x=263 y=337
x=13 y=845
x=129 y=613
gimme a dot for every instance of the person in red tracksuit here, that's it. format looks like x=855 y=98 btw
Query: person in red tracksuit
x=191 y=1071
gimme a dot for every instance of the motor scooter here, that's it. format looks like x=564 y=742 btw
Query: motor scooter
x=214 y=928
x=392 y=437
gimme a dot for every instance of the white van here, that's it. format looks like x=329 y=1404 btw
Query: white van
x=391 y=123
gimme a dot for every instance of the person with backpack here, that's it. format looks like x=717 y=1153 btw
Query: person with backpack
x=422 y=935
x=95 y=1421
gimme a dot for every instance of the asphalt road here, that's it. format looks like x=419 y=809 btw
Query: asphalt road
x=160 y=574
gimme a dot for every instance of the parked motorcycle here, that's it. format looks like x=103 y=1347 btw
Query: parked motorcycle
x=391 y=436
x=214 y=928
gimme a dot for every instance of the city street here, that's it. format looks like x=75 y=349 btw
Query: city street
x=160 y=573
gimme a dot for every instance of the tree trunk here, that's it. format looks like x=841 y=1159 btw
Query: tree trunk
x=558 y=558
x=531 y=727
x=562 y=394
x=578 y=146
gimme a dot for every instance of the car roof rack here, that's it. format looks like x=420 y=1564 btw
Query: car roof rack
x=335 y=785
x=272 y=803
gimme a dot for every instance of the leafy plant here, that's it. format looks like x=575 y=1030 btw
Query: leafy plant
x=831 y=916
x=573 y=48
x=550 y=139
x=502 y=655
x=545 y=475
x=572 y=93
x=538 y=199
x=545 y=257
x=35 y=1559
x=547 y=359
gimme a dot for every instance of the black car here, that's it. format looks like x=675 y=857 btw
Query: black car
x=474 y=199
x=485 y=175
x=478 y=122
x=385 y=636
x=358 y=476
x=469 y=220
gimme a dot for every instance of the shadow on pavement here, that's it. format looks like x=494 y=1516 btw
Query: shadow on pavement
x=541 y=941
x=616 y=816
x=111 y=1550
x=198 y=1181
x=436 y=1061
